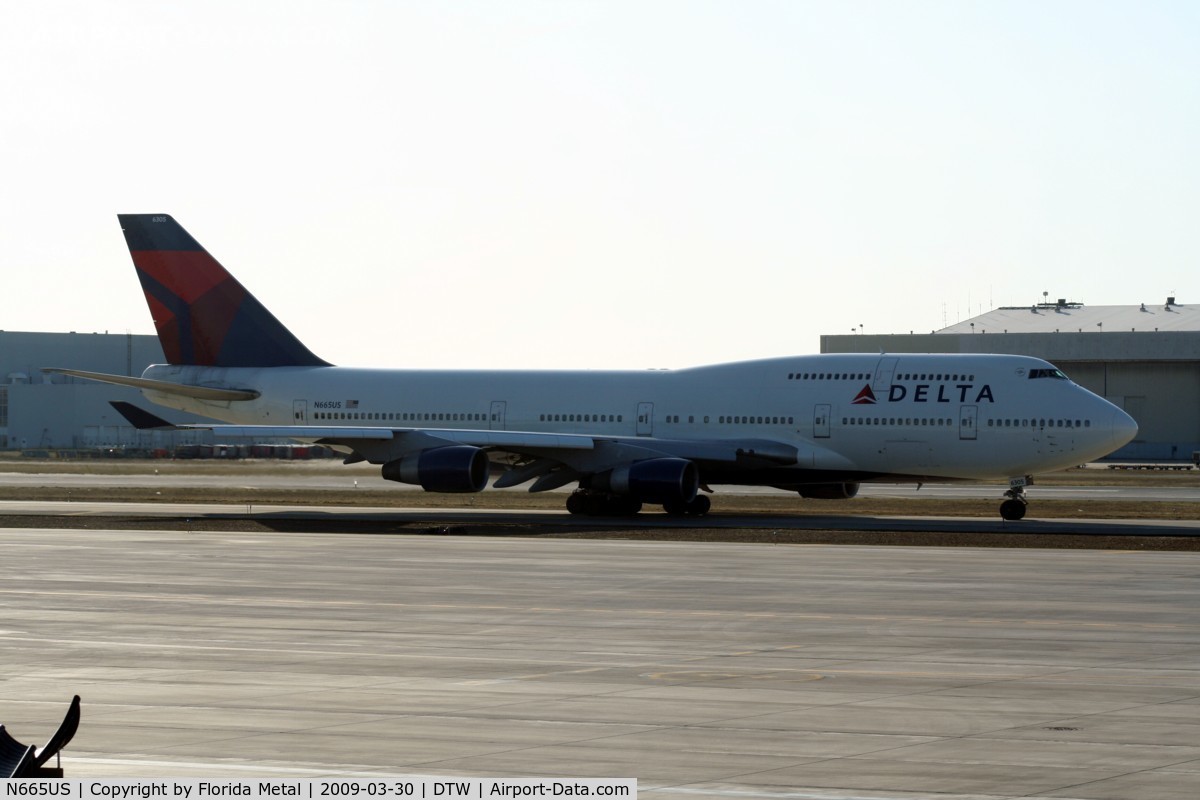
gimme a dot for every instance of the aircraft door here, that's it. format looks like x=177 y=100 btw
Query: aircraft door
x=496 y=415
x=300 y=412
x=883 y=374
x=645 y=419
x=967 y=417
x=821 y=420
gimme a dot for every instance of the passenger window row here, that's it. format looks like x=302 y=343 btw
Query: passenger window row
x=898 y=421
x=431 y=416
x=829 y=376
x=866 y=376
x=1039 y=423
x=396 y=416
x=930 y=376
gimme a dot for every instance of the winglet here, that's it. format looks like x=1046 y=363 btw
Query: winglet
x=203 y=315
x=140 y=418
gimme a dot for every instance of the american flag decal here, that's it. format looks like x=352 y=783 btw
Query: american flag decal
x=351 y=404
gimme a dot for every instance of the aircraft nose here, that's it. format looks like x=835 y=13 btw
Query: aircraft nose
x=1123 y=428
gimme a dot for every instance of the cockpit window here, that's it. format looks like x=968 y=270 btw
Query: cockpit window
x=1057 y=374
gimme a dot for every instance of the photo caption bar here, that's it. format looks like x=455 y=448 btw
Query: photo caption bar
x=327 y=789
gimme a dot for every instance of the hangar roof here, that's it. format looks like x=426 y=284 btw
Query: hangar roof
x=1068 y=317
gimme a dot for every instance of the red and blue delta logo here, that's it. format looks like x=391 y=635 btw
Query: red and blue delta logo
x=865 y=397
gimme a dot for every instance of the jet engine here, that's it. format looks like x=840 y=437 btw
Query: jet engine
x=829 y=491
x=656 y=480
x=454 y=468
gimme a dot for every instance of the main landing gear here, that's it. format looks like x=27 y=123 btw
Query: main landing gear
x=1014 y=507
x=603 y=504
x=696 y=507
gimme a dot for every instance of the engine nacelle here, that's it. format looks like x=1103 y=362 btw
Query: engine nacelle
x=454 y=468
x=829 y=491
x=657 y=480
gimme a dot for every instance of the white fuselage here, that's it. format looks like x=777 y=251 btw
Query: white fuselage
x=881 y=416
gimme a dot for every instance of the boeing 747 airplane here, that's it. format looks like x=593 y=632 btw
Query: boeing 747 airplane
x=818 y=425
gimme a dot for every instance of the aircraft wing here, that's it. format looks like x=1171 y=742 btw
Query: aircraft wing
x=550 y=460
x=554 y=458
x=519 y=442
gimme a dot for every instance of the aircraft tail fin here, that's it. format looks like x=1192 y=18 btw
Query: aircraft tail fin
x=203 y=315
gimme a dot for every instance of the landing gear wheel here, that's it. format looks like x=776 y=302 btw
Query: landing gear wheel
x=576 y=503
x=626 y=507
x=696 y=507
x=602 y=504
x=1012 y=509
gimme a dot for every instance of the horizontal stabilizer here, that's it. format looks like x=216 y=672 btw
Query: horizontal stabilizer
x=165 y=387
x=140 y=418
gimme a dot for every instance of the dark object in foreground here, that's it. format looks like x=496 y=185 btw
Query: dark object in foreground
x=25 y=761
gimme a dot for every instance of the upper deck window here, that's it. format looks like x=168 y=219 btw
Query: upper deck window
x=1057 y=374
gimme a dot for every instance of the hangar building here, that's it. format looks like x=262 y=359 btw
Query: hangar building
x=1145 y=359
x=53 y=412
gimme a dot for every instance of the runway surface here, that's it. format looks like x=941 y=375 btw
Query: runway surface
x=351 y=478
x=333 y=518
x=708 y=670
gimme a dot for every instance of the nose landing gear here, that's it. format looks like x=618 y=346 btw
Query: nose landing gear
x=1014 y=507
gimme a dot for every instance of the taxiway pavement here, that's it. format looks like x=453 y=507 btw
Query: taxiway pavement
x=331 y=515
x=352 y=478
x=713 y=670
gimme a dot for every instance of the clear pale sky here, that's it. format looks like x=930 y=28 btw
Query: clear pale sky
x=602 y=184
